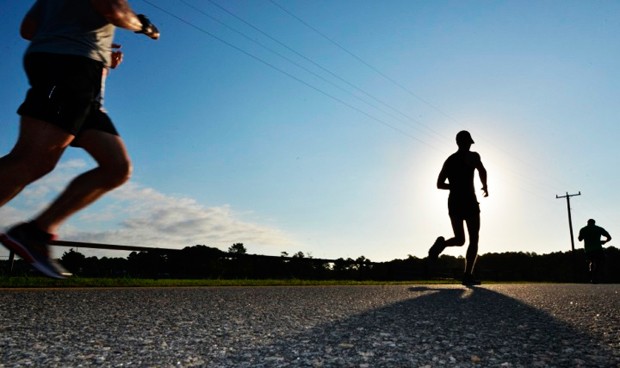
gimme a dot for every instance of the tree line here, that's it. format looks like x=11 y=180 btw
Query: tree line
x=201 y=261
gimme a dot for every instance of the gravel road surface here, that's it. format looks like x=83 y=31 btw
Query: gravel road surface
x=529 y=325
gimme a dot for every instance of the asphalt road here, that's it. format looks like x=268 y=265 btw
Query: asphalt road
x=530 y=325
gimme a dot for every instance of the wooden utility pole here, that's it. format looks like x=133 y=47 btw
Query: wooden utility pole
x=570 y=221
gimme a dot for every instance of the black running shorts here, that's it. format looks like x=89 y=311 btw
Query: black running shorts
x=64 y=91
x=595 y=256
x=463 y=208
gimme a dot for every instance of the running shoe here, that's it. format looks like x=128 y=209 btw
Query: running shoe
x=469 y=280
x=437 y=248
x=31 y=244
x=59 y=268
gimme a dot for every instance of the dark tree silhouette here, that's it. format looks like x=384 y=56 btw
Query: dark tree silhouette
x=237 y=248
x=201 y=261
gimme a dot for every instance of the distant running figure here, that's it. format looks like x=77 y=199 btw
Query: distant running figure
x=593 y=246
x=457 y=176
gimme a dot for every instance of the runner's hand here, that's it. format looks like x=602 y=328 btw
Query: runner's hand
x=148 y=28
x=117 y=56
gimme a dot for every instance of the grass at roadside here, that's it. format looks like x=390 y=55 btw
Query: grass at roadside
x=43 y=282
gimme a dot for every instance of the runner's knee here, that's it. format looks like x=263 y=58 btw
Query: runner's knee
x=457 y=241
x=117 y=174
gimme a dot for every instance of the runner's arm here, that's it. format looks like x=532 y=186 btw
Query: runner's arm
x=607 y=236
x=441 y=179
x=482 y=172
x=119 y=13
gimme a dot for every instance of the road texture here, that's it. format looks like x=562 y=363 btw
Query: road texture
x=529 y=325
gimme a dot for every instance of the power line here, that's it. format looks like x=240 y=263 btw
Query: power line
x=387 y=77
x=299 y=65
x=247 y=53
x=357 y=88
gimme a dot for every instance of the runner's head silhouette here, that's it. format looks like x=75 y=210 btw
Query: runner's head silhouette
x=463 y=139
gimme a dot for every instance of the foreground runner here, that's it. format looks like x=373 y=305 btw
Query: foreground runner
x=70 y=47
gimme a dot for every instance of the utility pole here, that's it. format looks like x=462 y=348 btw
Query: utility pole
x=570 y=221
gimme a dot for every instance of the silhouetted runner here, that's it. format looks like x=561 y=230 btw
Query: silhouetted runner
x=457 y=176
x=69 y=51
x=593 y=246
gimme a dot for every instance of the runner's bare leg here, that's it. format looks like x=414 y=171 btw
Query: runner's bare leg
x=114 y=169
x=37 y=151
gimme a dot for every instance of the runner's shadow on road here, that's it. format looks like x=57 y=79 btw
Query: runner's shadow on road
x=439 y=326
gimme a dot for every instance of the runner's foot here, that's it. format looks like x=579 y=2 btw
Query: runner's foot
x=60 y=268
x=437 y=248
x=469 y=280
x=31 y=244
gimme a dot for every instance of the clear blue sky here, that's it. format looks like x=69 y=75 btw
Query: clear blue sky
x=320 y=126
